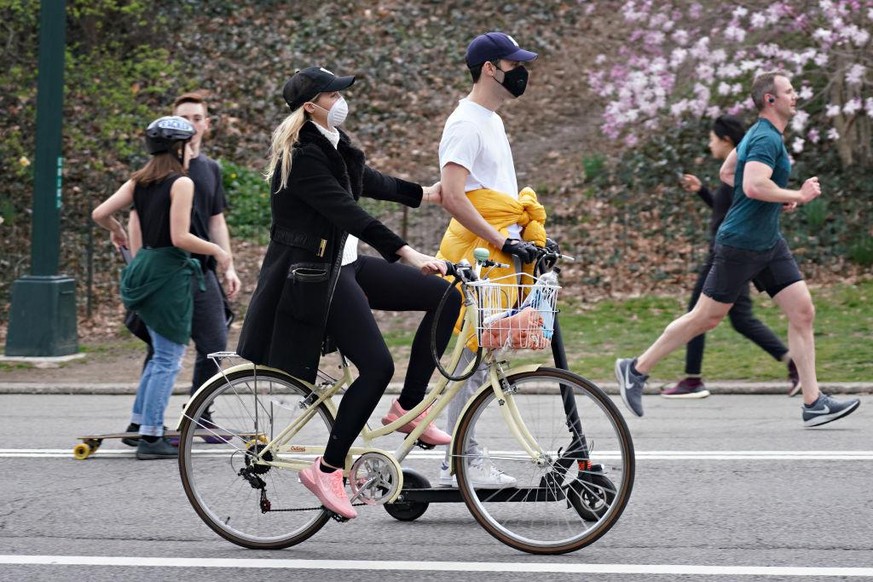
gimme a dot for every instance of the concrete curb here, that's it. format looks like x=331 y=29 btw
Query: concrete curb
x=716 y=387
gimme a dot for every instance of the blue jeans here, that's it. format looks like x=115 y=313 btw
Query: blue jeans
x=156 y=385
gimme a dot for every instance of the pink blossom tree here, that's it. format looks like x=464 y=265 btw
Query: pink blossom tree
x=681 y=60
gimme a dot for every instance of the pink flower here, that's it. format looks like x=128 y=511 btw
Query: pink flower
x=758 y=20
x=855 y=74
x=735 y=33
x=799 y=121
x=822 y=35
x=852 y=107
x=677 y=57
x=680 y=37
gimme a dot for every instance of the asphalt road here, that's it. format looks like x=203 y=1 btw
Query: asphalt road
x=727 y=488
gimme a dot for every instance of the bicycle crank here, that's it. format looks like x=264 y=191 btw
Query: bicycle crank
x=375 y=478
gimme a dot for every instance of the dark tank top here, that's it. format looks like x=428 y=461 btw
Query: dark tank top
x=152 y=205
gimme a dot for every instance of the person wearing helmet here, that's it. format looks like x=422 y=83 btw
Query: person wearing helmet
x=313 y=282
x=157 y=282
x=212 y=313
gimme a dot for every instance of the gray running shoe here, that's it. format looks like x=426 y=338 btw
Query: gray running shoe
x=630 y=385
x=132 y=427
x=827 y=409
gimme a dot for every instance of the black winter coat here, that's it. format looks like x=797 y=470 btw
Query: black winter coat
x=285 y=323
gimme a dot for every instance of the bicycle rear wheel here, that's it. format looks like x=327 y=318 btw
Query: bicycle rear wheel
x=574 y=486
x=251 y=503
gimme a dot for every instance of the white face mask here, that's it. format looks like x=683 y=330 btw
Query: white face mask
x=337 y=113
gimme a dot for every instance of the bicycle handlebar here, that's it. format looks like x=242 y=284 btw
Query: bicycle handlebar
x=464 y=271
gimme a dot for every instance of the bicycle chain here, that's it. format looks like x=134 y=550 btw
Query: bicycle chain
x=312 y=508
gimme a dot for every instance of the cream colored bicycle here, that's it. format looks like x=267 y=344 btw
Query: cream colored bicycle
x=559 y=435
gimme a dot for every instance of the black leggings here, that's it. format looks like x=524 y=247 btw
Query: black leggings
x=742 y=319
x=373 y=283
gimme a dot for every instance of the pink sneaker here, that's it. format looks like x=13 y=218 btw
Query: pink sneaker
x=329 y=489
x=432 y=435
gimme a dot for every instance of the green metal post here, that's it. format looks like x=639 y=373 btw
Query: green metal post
x=42 y=320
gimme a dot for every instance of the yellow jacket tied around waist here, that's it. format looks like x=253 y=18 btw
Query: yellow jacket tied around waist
x=501 y=211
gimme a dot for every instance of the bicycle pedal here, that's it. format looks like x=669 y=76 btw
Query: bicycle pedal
x=424 y=445
x=338 y=517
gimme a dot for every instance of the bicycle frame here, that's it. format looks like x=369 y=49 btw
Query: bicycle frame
x=288 y=457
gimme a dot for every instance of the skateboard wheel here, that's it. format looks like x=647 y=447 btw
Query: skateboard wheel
x=82 y=451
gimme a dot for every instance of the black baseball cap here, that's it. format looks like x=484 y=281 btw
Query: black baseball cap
x=309 y=82
x=493 y=46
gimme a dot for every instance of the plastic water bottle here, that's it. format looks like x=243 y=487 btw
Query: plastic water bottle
x=541 y=298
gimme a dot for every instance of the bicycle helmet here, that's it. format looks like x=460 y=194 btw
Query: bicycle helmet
x=162 y=134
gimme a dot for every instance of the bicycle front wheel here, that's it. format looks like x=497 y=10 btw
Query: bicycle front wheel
x=548 y=467
x=232 y=484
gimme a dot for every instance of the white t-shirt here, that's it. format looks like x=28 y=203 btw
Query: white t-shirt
x=474 y=137
x=350 y=251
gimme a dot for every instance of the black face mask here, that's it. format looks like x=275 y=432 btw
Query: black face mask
x=515 y=81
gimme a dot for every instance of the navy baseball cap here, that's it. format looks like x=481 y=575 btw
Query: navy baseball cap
x=309 y=82
x=493 y=46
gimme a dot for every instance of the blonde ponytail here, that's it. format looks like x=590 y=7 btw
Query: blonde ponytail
x=282 y=146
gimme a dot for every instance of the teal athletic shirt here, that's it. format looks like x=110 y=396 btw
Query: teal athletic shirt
x=753 y=224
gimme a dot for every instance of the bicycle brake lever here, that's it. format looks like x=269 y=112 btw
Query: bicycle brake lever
x=495 y=264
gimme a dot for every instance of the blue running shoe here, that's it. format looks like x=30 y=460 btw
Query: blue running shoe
x=630 y=385
x=827 y=409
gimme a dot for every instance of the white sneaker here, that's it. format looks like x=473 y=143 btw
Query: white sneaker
x=446 y=477
x=482 y=473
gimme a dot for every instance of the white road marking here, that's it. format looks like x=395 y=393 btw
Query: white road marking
x=420 y=566
x=846 y=455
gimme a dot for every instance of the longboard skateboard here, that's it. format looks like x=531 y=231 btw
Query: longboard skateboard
x=92 y=442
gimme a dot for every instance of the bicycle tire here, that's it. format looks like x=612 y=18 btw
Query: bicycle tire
x=247 y=408
x=563 y=500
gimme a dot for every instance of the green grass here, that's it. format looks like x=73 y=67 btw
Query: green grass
x=596 y=334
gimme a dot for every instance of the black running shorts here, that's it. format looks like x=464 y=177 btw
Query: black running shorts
x=772 y=271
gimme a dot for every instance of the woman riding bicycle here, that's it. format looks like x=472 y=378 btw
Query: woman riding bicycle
x=313 y=284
